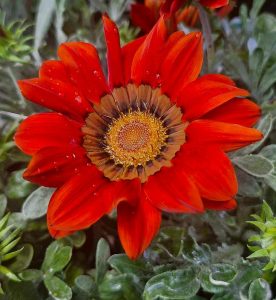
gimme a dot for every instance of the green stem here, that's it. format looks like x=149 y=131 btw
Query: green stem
x=22 y=102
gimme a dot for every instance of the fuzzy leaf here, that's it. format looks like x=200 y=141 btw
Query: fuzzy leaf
x=178 y=284
x=254 y=165
x=57 y=288
x=35 y=206
x=259 y=290
x=102 y=254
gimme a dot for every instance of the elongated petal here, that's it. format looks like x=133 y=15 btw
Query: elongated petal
x=114 y=55
x=210 y=169
x=146 y=61
x=238 y=111
x=137 y=225
x=182 y=64
x=84 y=66
x=179 y=195
x=206 y=94
x=54 y=166
x=53 y=69
x=214 y=3
x=80 y=202
x=226 y=136
x=128 y=52
x=47 y=130
x=56 y=95
x=220 y=205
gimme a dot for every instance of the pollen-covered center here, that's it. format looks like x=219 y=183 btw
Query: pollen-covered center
x=135 y=138
x=133 y=132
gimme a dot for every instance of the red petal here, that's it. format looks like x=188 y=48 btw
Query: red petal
x=142 y=17
x=114 y=55
x=56 y=95
x=137 y=225
x=220 y=205
x=146 y=61
x=210 y=169
x=214 y=3
x=172 y=190
x=207 y=93
x=54 y=166
x=128 y=52
x=47 y=130
x=53 y=69
x=227 y=136
x=80 y=202
x=238 y=111
x=84 y=66
x=182 y=63
x=57 y=234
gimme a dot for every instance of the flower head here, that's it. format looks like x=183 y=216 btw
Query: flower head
x=146 y=15
x=152 y=138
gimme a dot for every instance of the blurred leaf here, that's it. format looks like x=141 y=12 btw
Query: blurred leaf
x=35 y=206
x=77 y=239
x=121 y=287
x=18 y=187
x=56 y=257
x=178 y=284
x=102 y=254
x=86 y=284
x=31 y=275
x=259 y=290
x=57 y=288
x=3 y=204
x=44 y=16
x=23 y=260
x=248 y=186
x=122 y=264
x=255 y=165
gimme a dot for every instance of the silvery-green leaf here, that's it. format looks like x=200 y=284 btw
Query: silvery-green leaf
x=57 y=288
x=259 y=289
x=255 y=165
x=35 y=206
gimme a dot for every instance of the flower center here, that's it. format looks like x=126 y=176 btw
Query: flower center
x=133 y=133
x=135 y=138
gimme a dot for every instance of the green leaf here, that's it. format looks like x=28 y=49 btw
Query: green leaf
x=35 y=206
x=259 y=253
x=86 y=284
x=215 y=279
x=56 y=257
x=267 y=212
x=248 y=185
x=269 y=152
x=77 y=239
x=3 y=204
x=44 y=16
x=178 y=284
x=8 y=273
x=21 y=291
x=31 y=275
x=17 y=187
x=23 y=259
x=259 y=290
x=122 y=264
x=270 y=180
x=102 y=254
x=254 y=165
x=120 y=287
x=57 y=288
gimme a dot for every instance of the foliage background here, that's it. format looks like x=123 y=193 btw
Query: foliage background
x=193 y=257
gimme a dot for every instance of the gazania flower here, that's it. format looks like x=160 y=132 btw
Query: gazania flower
x=146 y=15
x=150 y=139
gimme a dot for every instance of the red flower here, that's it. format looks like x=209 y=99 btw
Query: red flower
x=150 y=139
x=146 y=15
